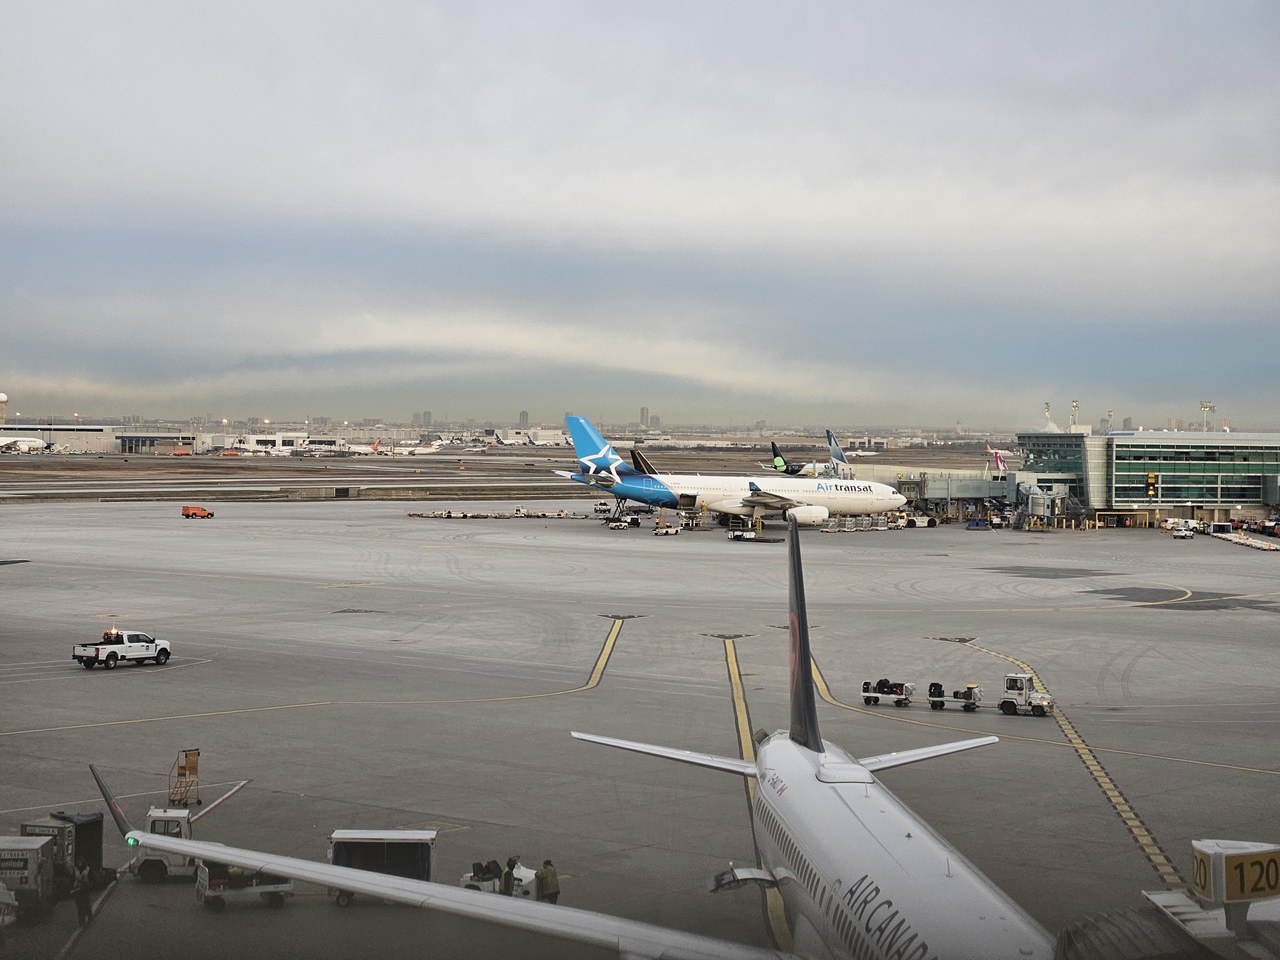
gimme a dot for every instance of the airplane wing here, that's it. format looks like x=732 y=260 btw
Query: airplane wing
x=771 y=501
x=902 y=757
x=630 y=938
x=728 y=764
x=595 y=479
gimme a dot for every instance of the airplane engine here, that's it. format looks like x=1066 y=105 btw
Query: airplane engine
x=809 y=516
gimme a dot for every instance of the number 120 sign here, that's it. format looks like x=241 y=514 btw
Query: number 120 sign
x=1233 y=871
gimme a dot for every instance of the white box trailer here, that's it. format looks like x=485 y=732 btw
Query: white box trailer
x=26 y=868
x=397 y=853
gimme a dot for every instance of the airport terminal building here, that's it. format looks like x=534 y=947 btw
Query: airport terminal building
x=1208 y=476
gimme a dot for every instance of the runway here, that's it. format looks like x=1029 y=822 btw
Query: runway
x=368 y=669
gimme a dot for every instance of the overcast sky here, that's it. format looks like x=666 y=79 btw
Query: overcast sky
x=838 y=213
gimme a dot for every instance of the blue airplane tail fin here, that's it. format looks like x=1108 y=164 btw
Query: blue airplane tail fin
x=595 y=454
x=837 y=454
x=804 y=704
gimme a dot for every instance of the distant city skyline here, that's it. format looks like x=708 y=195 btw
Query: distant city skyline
x=523 y=419
x=847 y=213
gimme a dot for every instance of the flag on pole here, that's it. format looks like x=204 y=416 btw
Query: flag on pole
x=1001 y=466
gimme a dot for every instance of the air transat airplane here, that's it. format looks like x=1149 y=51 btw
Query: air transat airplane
x=808 y=500
x=861 y=875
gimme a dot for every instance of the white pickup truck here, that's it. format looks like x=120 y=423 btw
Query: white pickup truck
x=118 y=645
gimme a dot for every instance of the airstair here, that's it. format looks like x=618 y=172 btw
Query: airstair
x=184 y=779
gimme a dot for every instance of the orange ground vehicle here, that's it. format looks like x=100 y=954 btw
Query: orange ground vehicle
x=197 y=512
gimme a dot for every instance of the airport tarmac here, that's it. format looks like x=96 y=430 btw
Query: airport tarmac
x=368 y=669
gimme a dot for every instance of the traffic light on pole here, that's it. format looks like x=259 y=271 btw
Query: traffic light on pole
x=1151 y=484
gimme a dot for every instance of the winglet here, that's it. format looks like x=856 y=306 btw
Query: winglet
x=804 y=705
x=122 y=822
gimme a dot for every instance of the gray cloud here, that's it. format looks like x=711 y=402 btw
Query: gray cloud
x=861 y=213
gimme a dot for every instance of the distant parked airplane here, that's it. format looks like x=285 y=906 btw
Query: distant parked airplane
x=23 y=445
x=830 y=468
x=416 y=449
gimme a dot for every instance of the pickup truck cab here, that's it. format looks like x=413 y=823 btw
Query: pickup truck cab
x=120 y=645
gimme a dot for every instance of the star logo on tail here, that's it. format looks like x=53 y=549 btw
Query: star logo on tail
x=604 y=463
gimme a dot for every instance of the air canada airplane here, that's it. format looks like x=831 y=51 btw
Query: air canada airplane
x=861 y=875
x=809 y=500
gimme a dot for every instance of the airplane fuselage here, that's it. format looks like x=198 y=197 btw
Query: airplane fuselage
x=22 y=445
x=884 y=885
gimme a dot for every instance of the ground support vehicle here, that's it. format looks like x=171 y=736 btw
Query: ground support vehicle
x=899 y=693
x=217 y=885
x=667 y=531
x=968 y=698
x=398 y=853
x=118 y=646
x=488 y=877
x=76 y=836
x=26 y=868
x=153 y=866
x=197 y=513
x=919 y=520
x=1021 y=696
x=1183 y=533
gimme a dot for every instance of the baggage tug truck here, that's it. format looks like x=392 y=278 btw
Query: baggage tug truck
x=120 y=645
x=1021 y=696
x=152 y=866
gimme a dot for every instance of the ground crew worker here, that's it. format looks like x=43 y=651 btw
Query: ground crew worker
x=548 y=882
x=80 y=889
x=508 y=886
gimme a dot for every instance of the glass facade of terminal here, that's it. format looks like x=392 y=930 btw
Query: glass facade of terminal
x=1050 y=459
x=1157 y=469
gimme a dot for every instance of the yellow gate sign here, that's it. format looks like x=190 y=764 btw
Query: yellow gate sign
x=1235 y=871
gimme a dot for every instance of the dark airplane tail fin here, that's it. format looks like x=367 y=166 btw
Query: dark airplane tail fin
x=641 y=462
x=779 y=461
x=804 y=706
